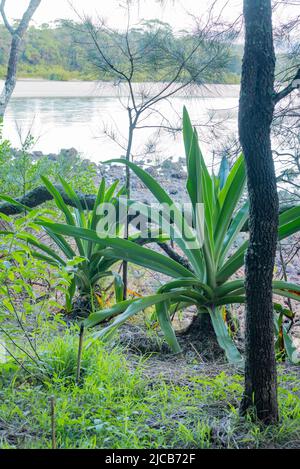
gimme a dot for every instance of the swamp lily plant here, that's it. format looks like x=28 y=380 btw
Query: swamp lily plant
x=83 y=259
x=211 y=282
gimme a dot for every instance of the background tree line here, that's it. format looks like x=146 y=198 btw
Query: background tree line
x=59 y=52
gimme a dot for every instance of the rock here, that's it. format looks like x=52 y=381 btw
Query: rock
x=37 y=154
x=88 y=163
x=152 y=171
x=167 y=164
x=178 y=175
x=52 y=156
x=69 y=152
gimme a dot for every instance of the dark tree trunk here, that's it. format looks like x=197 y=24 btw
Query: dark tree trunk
x=255 y=117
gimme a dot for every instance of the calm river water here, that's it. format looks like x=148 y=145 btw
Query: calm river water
x=81 y=114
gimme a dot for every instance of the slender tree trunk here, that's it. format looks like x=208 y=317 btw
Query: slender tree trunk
x=255 y=117
x=127 y=184
x=11 y=76
x=17 y=37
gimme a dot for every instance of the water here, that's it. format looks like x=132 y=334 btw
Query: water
x=77 y=114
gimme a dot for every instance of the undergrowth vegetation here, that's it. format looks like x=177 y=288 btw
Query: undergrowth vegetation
x=57 y=374
x=119 y=404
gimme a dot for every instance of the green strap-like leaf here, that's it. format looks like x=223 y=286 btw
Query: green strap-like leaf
x=290 y=347
x=234 y=263
x=194 y=255
x=233 y=231
x=64 y=208
x=229 y=287
x=99 y=200
x=223 y=171
x=96 y=318
x=119 y=287
x=165 y=323
x=187 y=282
x=223 y=337
x=126 y=250
x=135 y=307
x=29 y=238
x=229 y=198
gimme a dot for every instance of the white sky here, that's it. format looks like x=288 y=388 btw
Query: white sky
x=175 y=12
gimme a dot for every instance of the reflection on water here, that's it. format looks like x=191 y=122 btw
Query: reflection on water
x=80 y=123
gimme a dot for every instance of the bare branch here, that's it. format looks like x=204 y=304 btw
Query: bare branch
x=24 y=23
x=288 y=89
x=4 y=17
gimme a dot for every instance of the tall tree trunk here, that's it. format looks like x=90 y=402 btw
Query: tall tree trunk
x=17 y=37
x=255 y=116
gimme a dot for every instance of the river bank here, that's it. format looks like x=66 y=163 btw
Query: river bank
x=171 y=173
x=40 y=88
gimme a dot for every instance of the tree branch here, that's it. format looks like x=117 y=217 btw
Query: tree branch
x=41 y=195
x=288 y=89
x=176 y=257
x=24 y=23
x=16 y=44
x=4 y=17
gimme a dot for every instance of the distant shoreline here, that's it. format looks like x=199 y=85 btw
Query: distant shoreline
x=41 y=88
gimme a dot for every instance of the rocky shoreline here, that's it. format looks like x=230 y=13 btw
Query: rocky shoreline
x=170 y=174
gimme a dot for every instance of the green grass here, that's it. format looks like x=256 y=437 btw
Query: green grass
x=117 y=405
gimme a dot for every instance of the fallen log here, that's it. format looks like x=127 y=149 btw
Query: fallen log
x=41 y=195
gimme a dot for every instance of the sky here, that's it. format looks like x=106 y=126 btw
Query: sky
x=176 y=12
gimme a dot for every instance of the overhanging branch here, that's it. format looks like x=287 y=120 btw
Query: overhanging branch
x=288 y=89
x=41 y=195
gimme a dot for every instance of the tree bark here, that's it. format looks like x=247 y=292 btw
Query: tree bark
x=255 y=116
x=17 y=37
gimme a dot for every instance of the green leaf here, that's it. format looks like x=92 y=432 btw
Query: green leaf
x=99 y=200
x=187 y=282
x=126 y=250
x=119 y=287
x=228 y=199
x=234 y=263
x=70 y=295
x=110 y=191
x=135 y=307
x=43 y=247
x=165 y=323
x=193 y=255
x=223 y=171
x=12 y=201
x=64 y=209
x=234 y=229
x=289 y=222
x=290 y=347
x=96 y=318
x=71 y=194
x=223 y=337
x=229 y=287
